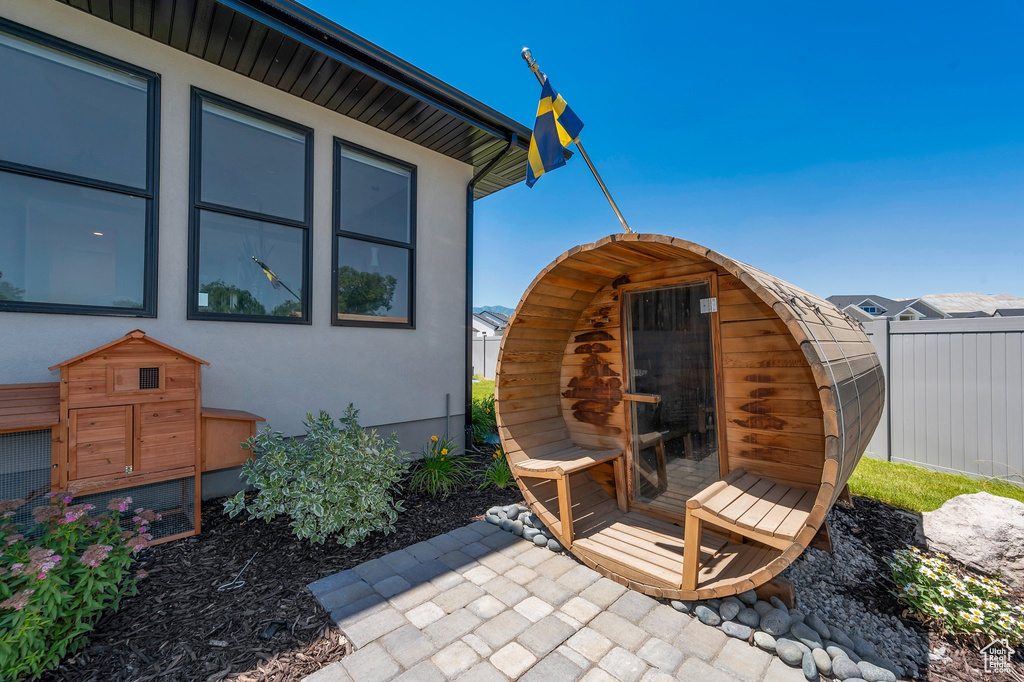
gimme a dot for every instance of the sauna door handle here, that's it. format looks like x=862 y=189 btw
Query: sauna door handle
x=642 y=397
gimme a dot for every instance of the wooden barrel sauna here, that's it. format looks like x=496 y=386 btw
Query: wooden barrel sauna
x=681 y=422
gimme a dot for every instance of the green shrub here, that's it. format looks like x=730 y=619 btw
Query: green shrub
x=497 y=472
x=59 y=575
x=936 y=592
x=484 y=423
x=441 y=470
x=339 y=482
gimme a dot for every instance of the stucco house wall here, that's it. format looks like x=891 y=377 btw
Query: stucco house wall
x=398 y=378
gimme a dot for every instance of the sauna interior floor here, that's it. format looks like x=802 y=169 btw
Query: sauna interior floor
x=685 y=477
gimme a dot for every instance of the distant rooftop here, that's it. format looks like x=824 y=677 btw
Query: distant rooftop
x=970 y=302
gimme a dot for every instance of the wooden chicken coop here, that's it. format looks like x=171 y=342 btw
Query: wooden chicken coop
x=681 y=421
x=125 y=419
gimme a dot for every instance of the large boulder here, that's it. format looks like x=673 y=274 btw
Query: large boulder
x=983 y=531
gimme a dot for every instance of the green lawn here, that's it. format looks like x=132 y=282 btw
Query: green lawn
x=918 y=489
x=482 y=388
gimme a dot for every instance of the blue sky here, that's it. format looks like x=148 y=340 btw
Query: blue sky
x=869 y=147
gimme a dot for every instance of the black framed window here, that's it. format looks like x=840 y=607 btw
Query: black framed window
x=374 y=240
x=252 y=213
x=78 y=175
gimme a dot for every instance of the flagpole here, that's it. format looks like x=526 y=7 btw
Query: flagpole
x=532 y=64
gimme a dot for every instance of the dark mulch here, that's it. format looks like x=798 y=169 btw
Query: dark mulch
x=181 y=627
x=884 y=529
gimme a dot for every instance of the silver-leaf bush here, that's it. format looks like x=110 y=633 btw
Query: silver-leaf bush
x=334 y=482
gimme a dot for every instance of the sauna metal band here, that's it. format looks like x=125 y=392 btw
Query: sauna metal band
x=532 y=63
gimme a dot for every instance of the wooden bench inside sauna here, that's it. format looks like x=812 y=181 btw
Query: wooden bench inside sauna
x=124 y=419
x=682 y=422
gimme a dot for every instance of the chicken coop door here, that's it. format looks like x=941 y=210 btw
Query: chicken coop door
x=670 y=351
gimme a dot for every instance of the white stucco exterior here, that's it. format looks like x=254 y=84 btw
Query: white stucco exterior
x=394 y=376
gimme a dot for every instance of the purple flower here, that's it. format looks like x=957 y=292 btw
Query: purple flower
x=17 y=601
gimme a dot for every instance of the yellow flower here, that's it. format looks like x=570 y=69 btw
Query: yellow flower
x=433 y=439
x=991 y=606
x=946 y=592
x=495 y=455
x=976 y=612
x=928 y=573
x=911 y=589
x=970 y=617
x=975 y=600
x=939 y=609
x=444 y=451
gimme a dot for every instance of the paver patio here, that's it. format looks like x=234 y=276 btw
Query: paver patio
x=479 y=604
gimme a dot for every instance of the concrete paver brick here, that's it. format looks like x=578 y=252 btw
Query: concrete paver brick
x=479 y=575
x=660 y=654
x=458 y=596
x=556 y=566
x=424 y=614
x=486 y=607
x=358 y=609
x=545 y=635
x=553 y=667
x=580 y=609
x=447 y=580
x=498 y=541
x=458 y=561
x=590 y=643
x=696 y=669
x=603 y=592
x=408 y=645
x=483 y=528
x=655 y=675
x=414 y=596
x=574 y=656
x=623 y=665
x=619 y=630
x=452 y=627
x=665 y=622
x=702 y=641
x=578 y=578
x=365 y=630
x=633 y=606
x=507 y=591
x=521 y=574
x=513 y=660
x=502 y=629
x=497 y=562
x=479 y=645
x=516 y=548
x=482 y=672
x=550 y=591
x=476 y=550
x=534 y=556
x=455 y=659
x=424 y=551
x=446 y=543
x=597 y=675
x=374 y=570
x=333 y=582
x=534 y=608
x=399 y=560
x=422 y=672
x=465 y=535
x=391 y=586
x=742 y=661
x=344 y=596
x=424 y=572
x=371 y=664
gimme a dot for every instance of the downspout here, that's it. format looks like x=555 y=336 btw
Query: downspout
x=512 y=140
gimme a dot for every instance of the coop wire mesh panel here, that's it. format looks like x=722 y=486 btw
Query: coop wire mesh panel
x=174 y=499
x=25 y=470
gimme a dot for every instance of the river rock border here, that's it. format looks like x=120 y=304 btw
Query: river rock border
x=802 y=640
x=519 y=520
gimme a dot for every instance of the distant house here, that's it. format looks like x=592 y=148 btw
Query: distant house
x=487 y=323
x=1008 y=312
x=866 y=308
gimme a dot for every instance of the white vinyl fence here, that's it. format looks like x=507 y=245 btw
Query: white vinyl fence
x=954 y=395
x=485 y=355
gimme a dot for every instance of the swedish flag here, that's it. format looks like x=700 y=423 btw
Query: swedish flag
x=556 y=128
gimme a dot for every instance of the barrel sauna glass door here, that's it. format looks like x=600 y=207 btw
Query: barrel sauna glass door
x=674 y=430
